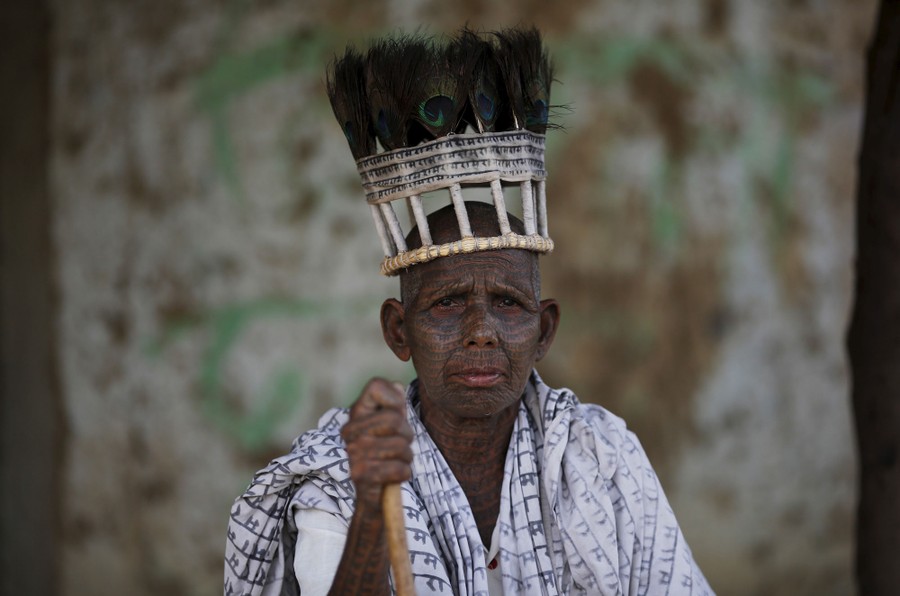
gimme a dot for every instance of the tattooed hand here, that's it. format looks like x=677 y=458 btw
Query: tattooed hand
x=378 y=439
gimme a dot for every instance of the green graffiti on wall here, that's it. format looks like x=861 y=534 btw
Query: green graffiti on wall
x=780 y=98
x=233 y=75
x=282 y=392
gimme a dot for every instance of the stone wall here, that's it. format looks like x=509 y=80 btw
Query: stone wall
x=218 y=285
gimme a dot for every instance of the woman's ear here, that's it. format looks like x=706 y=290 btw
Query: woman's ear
x=549 y=322
x=392 y=316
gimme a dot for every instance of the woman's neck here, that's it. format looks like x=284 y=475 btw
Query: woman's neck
x=475 y=449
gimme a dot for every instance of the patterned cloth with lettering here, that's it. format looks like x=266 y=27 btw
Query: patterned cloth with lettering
x=582 y=511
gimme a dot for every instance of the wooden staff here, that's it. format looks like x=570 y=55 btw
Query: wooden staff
x=395 y=527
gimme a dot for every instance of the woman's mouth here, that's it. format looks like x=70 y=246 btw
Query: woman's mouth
x=479 y=377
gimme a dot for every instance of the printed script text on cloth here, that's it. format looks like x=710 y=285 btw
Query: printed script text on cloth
x=582 y=511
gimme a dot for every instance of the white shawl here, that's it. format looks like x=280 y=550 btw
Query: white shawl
x=581 y=512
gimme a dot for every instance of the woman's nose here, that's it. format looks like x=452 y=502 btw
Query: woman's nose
x=480 y=327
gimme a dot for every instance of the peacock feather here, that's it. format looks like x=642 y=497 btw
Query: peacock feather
x=442 y=96
x=345 y=83
x=528 y=74
x=408 y=89
x=394 y=71
x=485 y=87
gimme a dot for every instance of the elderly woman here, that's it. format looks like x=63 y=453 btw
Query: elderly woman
x=507 y=486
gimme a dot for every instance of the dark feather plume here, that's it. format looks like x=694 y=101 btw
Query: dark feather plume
x=508 y=61
x=409 y=89
x=527 y=70
x=486 y=92
x=394 y=69
x=345 y=83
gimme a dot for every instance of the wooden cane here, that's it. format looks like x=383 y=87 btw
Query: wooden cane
x=395 y=528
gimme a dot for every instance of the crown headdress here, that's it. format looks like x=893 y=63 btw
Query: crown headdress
x=417 y=97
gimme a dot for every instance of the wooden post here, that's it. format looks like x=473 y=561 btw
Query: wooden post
x=32 y=420
x=873 y=341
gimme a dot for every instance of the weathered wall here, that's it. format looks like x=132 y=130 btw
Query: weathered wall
x=218 y=270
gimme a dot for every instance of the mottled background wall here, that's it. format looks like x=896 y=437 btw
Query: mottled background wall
x=216 y=279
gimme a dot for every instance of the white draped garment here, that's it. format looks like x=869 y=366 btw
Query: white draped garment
x=582 y=511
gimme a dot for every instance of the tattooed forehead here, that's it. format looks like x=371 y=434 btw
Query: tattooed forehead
x=513 y=270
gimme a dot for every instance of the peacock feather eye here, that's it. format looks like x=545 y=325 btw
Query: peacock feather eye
x=486 y=106
x=348 y=132
x=434 y=109
x=539 y=113
x=382 y=124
